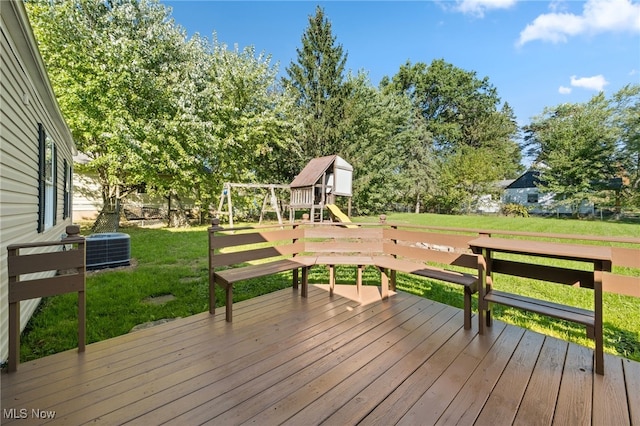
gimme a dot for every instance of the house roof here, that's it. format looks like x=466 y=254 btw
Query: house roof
x=528 y=180
x=504 y=183
x=531 y=179
x=313 y=171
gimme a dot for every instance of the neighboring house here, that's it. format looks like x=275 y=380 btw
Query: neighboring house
x=524 y=191
x=491 y=203
x=36 y=149
x=87 y=198
x=87 y=193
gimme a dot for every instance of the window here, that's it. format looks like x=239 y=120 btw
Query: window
x=68 y=179
x=532 y=198
x=47 y=196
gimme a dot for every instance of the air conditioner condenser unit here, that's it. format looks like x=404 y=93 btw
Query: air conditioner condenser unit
x=108 y=250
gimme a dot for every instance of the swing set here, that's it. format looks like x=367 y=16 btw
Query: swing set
x=270 y=202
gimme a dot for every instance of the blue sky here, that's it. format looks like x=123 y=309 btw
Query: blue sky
x=536 y=53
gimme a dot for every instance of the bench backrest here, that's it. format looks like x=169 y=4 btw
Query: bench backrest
x=437 y=245
x=250 y=244
x=614 y=282
x=431 y=247
x=334 y=239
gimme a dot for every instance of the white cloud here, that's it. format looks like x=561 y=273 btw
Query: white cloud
x=597 y=16
x=557 y=5
x=597 y=82
x=478 y=7
x=564 y=90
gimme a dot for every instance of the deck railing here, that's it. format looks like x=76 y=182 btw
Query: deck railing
x=67 y=268
x=625 y=251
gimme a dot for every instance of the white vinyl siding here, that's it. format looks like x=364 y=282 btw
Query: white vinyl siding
x=26 y=100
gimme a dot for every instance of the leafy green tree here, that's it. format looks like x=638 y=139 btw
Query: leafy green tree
x=473 y=137
x=114 y=65
x=149 y=106
x=255 y=126
x=626 y=116
x=465 y=178
x=317 y=81
x=461 y=111
x=575 y=147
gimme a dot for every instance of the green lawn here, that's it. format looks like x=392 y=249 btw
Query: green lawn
x=170 y=261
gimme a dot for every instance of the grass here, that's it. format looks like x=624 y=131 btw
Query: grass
x=174 y=261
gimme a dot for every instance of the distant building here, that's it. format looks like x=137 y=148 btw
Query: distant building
x=524 y=191
x=491 y=203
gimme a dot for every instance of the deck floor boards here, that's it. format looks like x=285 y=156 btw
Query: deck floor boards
x=350 y=359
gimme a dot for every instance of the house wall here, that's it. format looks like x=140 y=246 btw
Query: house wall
x=87 y=197
x=26 y=100
x=544 y=204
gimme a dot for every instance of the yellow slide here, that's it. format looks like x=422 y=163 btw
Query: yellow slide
x=338 y=216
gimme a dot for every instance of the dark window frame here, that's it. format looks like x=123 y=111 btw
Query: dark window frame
x=42 y=181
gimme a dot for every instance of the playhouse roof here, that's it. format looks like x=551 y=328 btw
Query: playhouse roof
x=314 y=170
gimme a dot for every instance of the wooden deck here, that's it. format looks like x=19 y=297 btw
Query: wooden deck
x=321 y=360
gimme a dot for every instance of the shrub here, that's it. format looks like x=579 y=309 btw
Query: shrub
x=513 y=209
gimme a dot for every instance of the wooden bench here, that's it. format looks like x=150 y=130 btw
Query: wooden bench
x=62 y=265
x=307 y=245
x=278 y=255
x=417 y=252
x=334 y=245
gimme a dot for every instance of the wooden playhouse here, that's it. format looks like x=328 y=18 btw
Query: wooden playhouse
x=318 y=184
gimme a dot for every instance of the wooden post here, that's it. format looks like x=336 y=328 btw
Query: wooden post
x=294 y=274
x=230 y=207
x=599 y=268
x=275 y=205
x=215 y=226
x=73 y=237
x=14 y=321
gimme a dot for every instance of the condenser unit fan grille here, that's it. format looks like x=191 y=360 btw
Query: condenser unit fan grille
x=108 y=250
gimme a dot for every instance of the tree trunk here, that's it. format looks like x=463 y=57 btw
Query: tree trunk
x=177 y=215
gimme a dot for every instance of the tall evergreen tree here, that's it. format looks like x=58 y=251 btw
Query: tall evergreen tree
x=317 y=81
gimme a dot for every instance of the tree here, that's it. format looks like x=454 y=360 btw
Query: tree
x=151 y=107
x=390 y=154
x=317 y=82
x=465 y=177
x=626 y=117
x=114 y=65
x=575 y=148
x=459 y=108
x=472 y=137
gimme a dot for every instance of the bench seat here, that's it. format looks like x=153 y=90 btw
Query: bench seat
x=468 y=281
x=227 y=277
